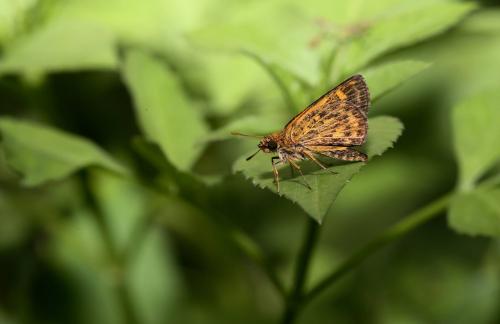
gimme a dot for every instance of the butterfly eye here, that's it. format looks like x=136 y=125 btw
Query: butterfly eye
x=272 y=145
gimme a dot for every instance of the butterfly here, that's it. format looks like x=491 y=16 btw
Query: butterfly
x=331 y=126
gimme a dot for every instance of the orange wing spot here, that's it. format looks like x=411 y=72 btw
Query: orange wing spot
x=341 y=95
x=322 y=102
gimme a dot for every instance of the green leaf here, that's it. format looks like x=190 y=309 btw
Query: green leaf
x=477 y=42
x=42 y=154
x=274 y=31
x=12 y=17
x=293 y=88
x=483 y=21
x=476 y=212
x=78 y=248
x=153 y=280
x=138 y=21
x=124 y=205
x=83 y=34
x=476 y=136
x=409 y=27
x=166 y=115
x=386 y=77
x=73 y=45
x=383 y=132
x=248 y=85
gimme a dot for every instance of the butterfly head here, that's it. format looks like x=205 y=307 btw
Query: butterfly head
x=268 y=144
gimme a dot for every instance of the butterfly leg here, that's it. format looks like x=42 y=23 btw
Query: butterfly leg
x=296 y=166
x=315 y=160
x=275 y=172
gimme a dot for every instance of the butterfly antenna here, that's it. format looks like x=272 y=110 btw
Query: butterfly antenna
x=251 y=156
x=246 y=135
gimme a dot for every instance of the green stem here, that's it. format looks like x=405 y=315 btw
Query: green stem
x=122 y=291
x=294 y=300
x=287 y=95
x=393 y=233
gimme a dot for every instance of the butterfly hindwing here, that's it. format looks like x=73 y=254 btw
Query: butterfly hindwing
x=339 y=152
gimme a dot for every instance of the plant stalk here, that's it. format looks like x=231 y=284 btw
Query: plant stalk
x=121 y=289
x=292 y=303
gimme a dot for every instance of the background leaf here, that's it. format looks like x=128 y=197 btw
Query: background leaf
x=476 y=136
x=476 y=212
x=75 y=45
x=85 y=34
x=247 y=87
x=274 y=31
x=80 y=251
x=125 y=205
x=383 y=132
x=406 y=28
x=165 y=114
x=43 y=154
x=386 y=77
x=153 y=279
x=12 y=17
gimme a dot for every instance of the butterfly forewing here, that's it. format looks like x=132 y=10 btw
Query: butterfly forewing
x=337 y=118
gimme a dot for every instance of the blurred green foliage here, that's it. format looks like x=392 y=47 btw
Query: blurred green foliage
x=124 y=199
